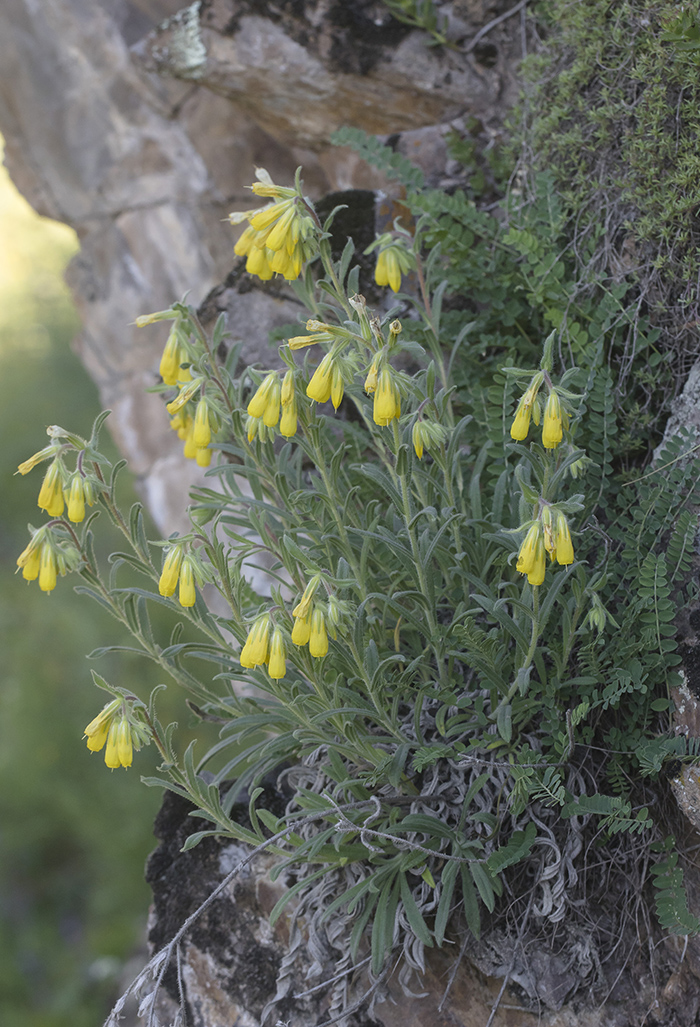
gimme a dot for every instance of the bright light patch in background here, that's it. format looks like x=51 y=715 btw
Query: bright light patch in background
x=34 y=252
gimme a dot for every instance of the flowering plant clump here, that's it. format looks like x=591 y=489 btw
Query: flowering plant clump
x=426 y=661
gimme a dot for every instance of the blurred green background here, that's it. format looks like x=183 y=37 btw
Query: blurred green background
x=73 y=835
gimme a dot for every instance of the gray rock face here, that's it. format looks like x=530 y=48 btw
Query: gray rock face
x=143 y=138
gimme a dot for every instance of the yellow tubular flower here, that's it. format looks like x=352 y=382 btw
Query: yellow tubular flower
x=288 y=420
x=277 y=666
x=125 y=748
x=257 y=645
x=76 y=500
x=171 y=571
x=203 y=457
x=259 y=264
x=32 y=565
x=202 y=427
x=387 y=403
x=521 y=423
x=388 y=270
x=552 y=424
x=337 y=387
x=33 y=547
x=565 y=549
x=280 y=236
x=252 y=426
x=172 y=357
x=51 y=491
x=303 y=607
x=318 y=639
x=256 y=407
x=187 y=593
x=47 y=568
x=37 y=458
x=246 y=242
x=536 y=575
x=321 y=384
x=371 y=379
x=528 y=550
x=271 y=413
x=190 y=449
x=262 y=220
x=112 y=751
x=185 y=395
x=287 y=391
x=97 y=730
x=301 y=630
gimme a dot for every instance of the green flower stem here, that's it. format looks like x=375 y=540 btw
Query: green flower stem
x=151 y=650
x=435 y=347
x=381 y=715
x=336 y=505
x=408 y=520
x=214 y=370
x=529 y=656
x=117 y=518
x=326 y=259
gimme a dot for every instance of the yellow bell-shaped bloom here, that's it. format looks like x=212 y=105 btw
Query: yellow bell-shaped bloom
x=32 y=565
x=187 y=593
x=76 y=499
x=258 y=403
x=527 y=555
x=337 y=387
x=98 y=729
x=173 y=356
x=521 y=422
x=388 y=270
x=201 y=434
x=303 y=607
x=372 y=371
x=37 y=458
x=51 y=491
x=301 y=630
x=257 y=645
x=276 y=665
x=552 y=423
x=48 y=568
x=318 y=637
x=564 y=545
x=387 y=402
x=321 y=384
x=171 y=571
x=288 y=400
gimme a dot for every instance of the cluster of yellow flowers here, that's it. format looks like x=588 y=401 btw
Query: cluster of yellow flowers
x=180 y=568
x=280 y=237
x=46 y=556
x=271 y=399
x=121 y=729
x=196 y=430
x=530 y=406
x=193 y=415
x=58 y=486
x=394 y=258
x=549 y=534
x=265 y=643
